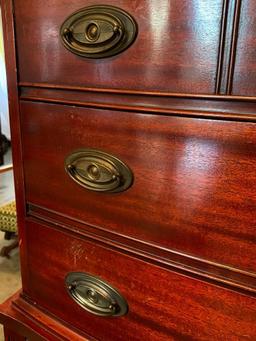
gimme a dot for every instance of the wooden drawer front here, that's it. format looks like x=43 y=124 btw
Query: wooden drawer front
x=244 y=79
x=162 y=305
x=182 y=40
x=194 y=180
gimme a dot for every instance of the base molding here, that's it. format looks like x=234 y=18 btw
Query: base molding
x=23 y=321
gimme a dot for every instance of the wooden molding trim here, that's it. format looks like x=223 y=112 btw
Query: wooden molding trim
x=213 y=108
x=227 y=46
x=233 y=47
x=222 y=45
x=136 y=92
x=223 y=275
x=28 y=321
x=13 y=96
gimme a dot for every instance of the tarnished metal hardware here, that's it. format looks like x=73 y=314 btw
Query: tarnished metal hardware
x=94 y=295
x=98 y=31
x=98 y=171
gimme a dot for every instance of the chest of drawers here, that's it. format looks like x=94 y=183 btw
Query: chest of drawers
x=133 y=129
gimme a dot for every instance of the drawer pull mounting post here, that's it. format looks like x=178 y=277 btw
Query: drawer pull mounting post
x=98 y=31
x=98 y=171
x=95 y=295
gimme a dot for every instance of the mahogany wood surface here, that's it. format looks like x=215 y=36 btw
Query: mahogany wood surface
x=11 y=72
x=245 y=60
x=194 y=180
x=178 y=107
x=23 y=321
x=215 y=106
x=162 y=304
x=227 y=24
x=176 y=48
x=12 y=336
x=212 y=272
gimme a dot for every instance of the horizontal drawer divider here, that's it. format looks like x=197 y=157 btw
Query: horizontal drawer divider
x=214 y=107
x=31 y=311
x=186 y=264
x=137 y=92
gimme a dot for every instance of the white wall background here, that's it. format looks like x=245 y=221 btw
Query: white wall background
x=4 y=114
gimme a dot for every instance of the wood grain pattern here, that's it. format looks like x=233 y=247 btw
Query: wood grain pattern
x=233 y=46
x=13 y=97
x=180 y=308
x=138 y=92
x=186 y=264
x=244 y=79
x=219 y=107
x=24 y=321
x=227 y=46
x=194 y=187
x=10 y=335
x=182 y=40
x=178 y=107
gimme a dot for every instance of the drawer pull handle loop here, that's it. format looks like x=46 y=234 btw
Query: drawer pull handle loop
x=98 y=31
x=98 y=171
x=94 y=295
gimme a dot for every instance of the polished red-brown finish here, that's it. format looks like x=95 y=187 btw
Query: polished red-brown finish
x=24 y=321
x=178 y=107
x=235 y=108
x=11 y=71
x=189 y=194
x=162 y=304
x=244 y=79
x=10 y=335
x=176 y=49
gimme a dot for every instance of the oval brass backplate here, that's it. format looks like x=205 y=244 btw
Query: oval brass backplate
x=94 y=295
x=98 y=171
x=98 y=31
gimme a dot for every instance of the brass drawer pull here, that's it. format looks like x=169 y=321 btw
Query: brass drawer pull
x=98 y=31
x=94 y=295
x=98 y=171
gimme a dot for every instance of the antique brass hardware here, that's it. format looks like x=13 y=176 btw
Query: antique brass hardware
x=98 y=171
x=94 y=295
x=98 y=31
